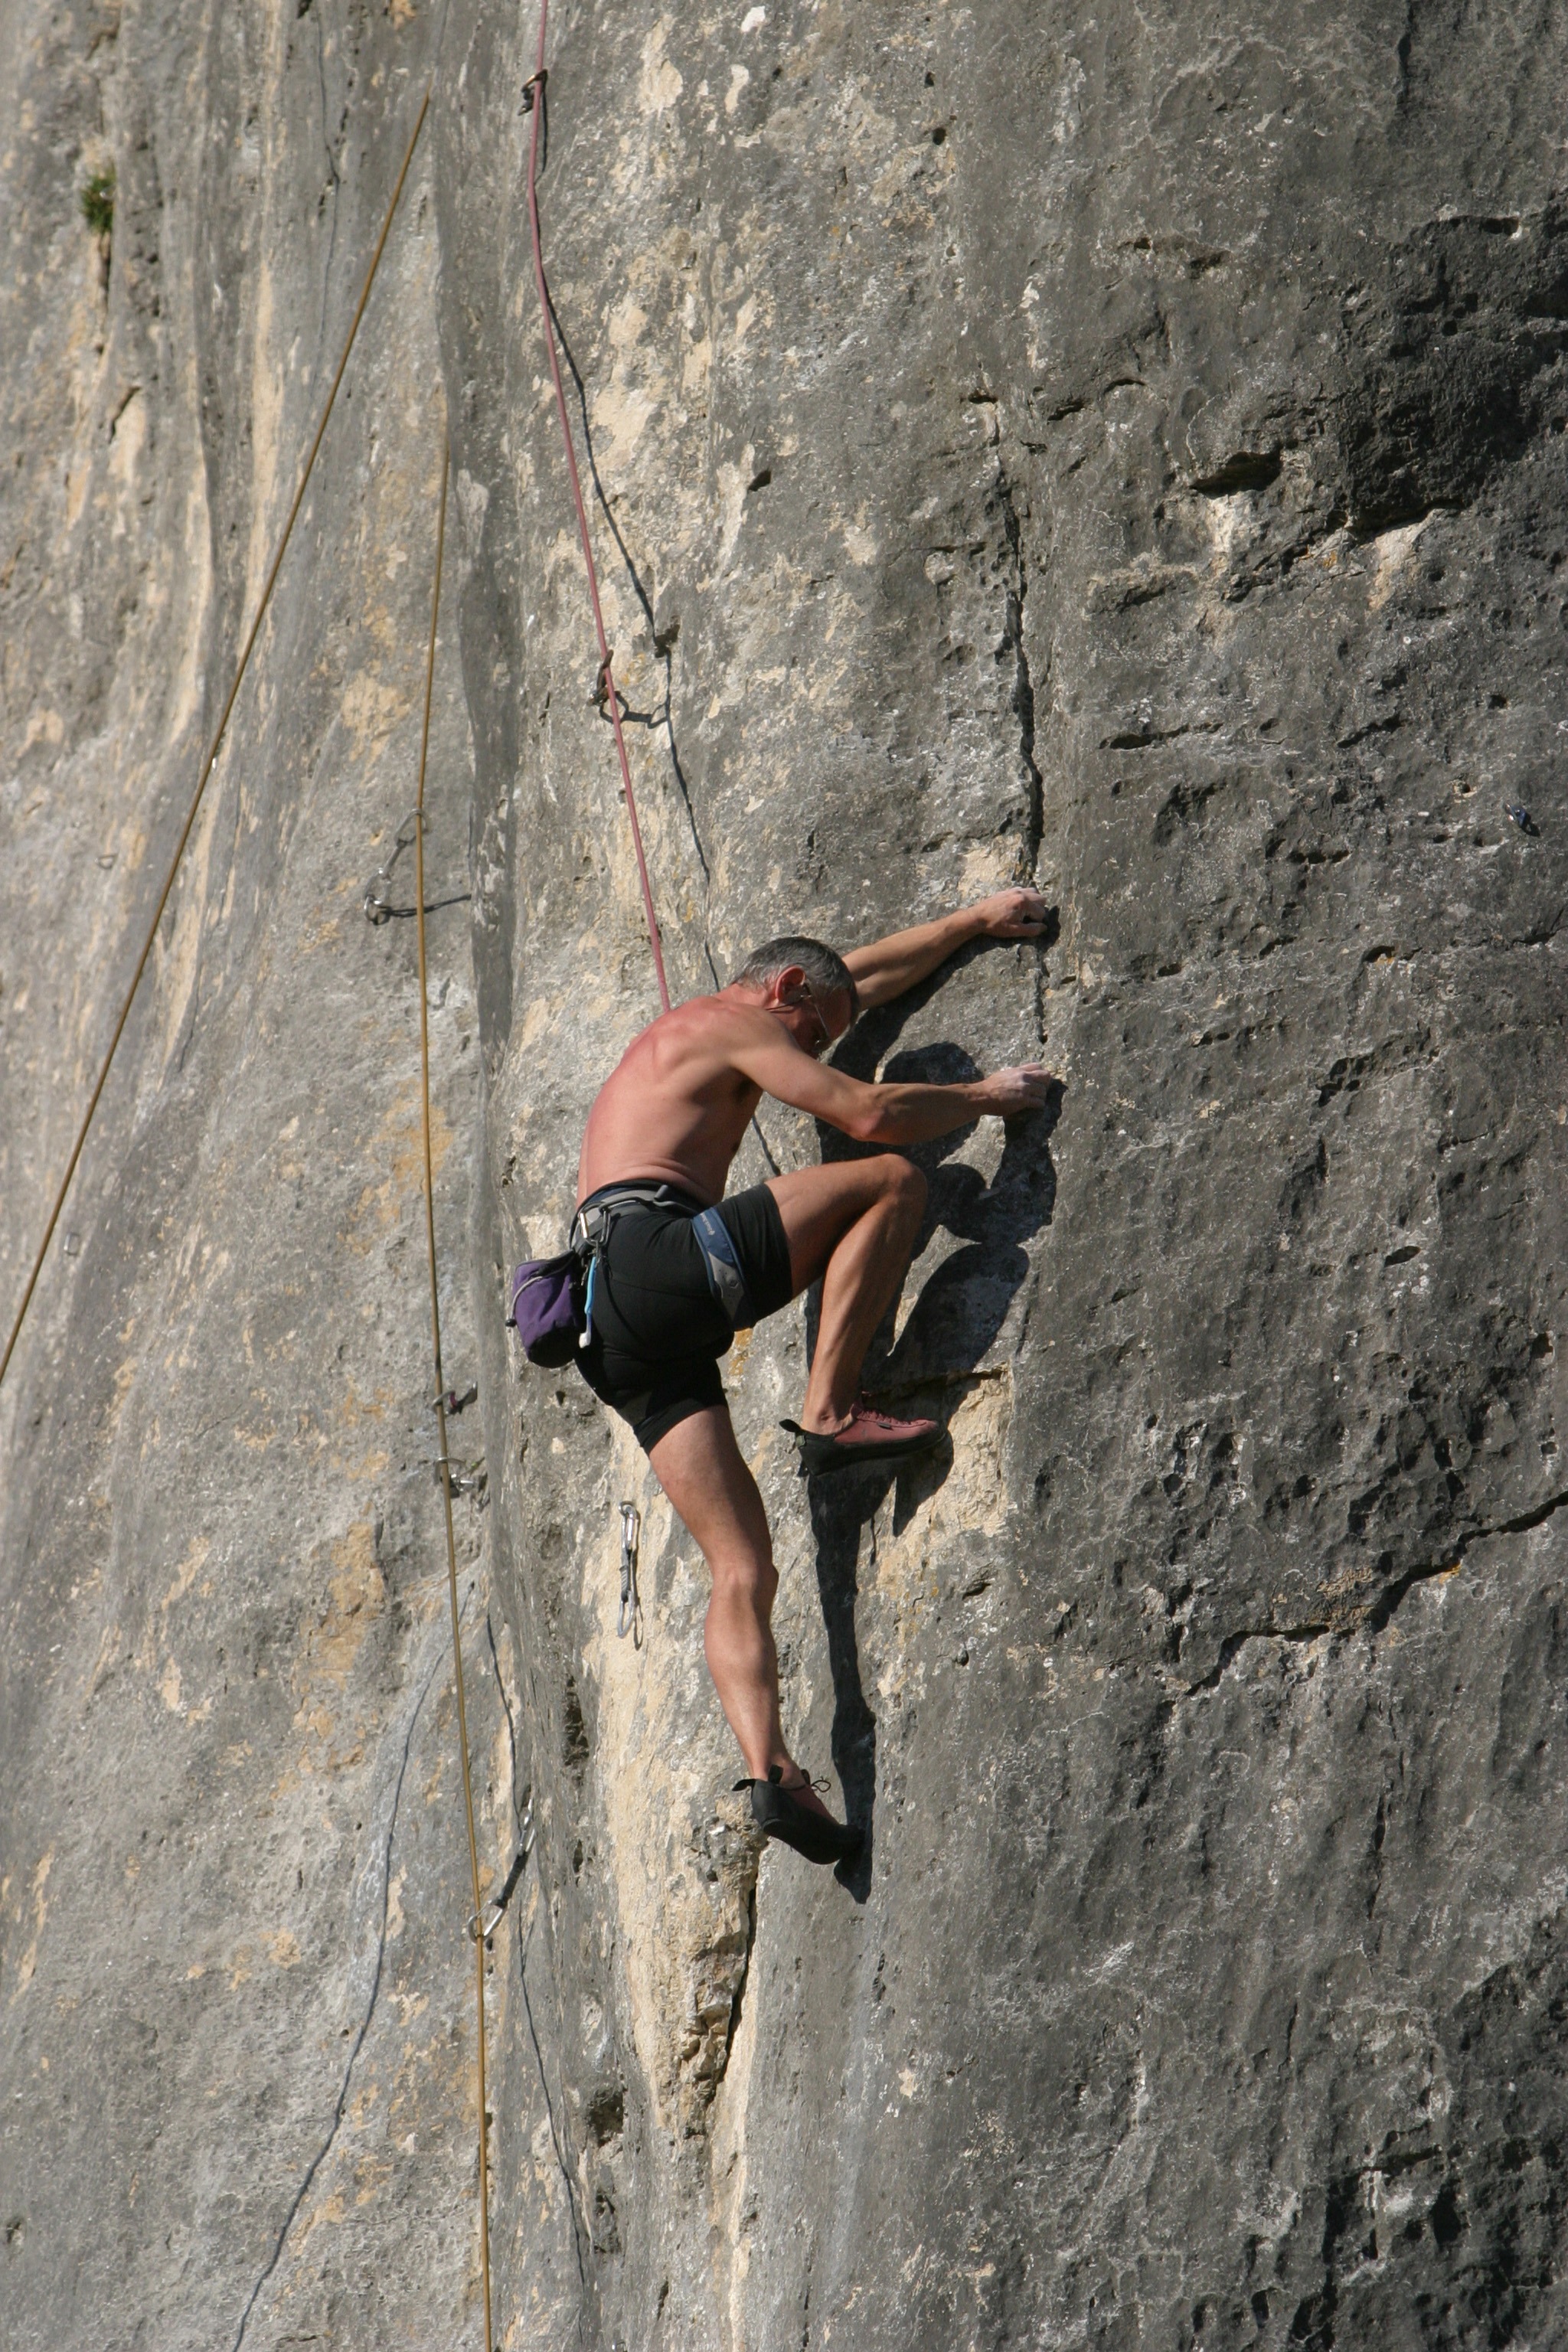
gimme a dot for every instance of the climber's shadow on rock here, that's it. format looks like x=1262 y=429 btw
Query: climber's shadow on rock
x=927 y=1367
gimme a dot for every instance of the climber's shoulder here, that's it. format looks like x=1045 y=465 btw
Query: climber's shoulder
x=709 y=1029
x=697 y=1052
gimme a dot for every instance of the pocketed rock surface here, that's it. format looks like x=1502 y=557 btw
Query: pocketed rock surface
x=1126 y=452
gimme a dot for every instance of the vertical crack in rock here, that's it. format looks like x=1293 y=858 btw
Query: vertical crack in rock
x=518 y=1813
x=322 y=2152
x=525 y=1936
x=523 y=1941
x=1023 y=695
x=334 y=179
x=743 y=1977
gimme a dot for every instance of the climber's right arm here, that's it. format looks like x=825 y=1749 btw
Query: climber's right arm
x=887 y=968
x=770 y=1058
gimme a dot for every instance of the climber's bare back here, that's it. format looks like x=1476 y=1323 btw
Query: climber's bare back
x=675 y=1108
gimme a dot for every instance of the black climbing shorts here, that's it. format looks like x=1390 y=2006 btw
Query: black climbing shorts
x=659 y=1331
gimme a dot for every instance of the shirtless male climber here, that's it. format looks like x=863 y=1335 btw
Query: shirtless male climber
x=679 y=1268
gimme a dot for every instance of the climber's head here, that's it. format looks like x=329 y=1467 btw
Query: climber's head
x=808 y=986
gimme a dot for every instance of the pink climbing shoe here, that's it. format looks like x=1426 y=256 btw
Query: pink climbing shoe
x=867 y=1436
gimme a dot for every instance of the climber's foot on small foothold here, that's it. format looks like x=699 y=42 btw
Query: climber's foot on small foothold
x=866 y=1436
x=797 y=1817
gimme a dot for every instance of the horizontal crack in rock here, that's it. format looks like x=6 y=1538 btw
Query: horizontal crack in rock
x=1374 y=1616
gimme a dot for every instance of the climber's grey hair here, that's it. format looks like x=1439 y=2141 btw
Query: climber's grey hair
x=824 y=968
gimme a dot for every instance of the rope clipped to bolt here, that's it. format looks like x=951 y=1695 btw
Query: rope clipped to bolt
x=534 y=101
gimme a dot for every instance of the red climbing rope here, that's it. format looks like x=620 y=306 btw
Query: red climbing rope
x=606 y=681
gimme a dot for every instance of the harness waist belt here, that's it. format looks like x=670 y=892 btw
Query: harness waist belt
x=721 y=1260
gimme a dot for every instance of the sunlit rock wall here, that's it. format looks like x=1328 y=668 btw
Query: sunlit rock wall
x=1126 y=451
x=236 y=2044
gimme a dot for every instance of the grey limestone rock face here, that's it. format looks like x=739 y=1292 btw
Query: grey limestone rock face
x=1125 y=451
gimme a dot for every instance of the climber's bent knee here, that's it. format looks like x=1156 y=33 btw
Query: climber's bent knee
x=819 y=1206
x=906 y=1183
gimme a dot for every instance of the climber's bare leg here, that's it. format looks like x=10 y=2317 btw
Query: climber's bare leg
x=702 y=1471
x=853 y=1223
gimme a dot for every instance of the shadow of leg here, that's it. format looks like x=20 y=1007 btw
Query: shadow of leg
x=841 y=1507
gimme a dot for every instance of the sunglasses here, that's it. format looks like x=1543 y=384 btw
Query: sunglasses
x=809 y=1002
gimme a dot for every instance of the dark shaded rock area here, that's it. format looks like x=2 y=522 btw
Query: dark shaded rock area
x=1128 y=451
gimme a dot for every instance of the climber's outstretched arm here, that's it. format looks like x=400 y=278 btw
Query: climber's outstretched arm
x=888 y=967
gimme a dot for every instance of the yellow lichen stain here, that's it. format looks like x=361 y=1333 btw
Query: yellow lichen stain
x=187 y=1574
x=355 y=1406
x=169 y=1685
x=620 y=413
x=395 y=1906
x=123 y=1378
x=44 y=727
x=1395 y=549
x=356 y=1596
x=859 y=540
x=124 y=450
x=363 y=1465
x=371 y=2175
x=369 y=710
x=283 y=1949
x=398 y=1147
x=27 y=1965
x=322 y=930
x=659 y=84
x=330 y=2212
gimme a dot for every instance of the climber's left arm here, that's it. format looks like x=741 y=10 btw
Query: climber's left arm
x=888 y=967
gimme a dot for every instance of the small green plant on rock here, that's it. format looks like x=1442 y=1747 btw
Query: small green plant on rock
x=98 y=201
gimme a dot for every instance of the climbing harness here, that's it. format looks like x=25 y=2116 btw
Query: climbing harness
x=444 y=1466
x=721 y=1263
x=534 y=102
x=214 y=748
x=628 y=1617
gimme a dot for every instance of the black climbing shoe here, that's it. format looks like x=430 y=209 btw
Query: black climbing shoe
x=776 y=1813
x=867 y=1436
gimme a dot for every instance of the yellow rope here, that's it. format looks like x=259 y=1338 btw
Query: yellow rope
x=212 y=749
x=441 y=1404
x=207 y=766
